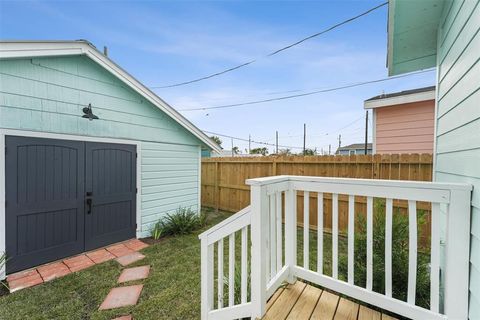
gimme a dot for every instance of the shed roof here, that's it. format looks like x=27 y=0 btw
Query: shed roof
x=26 y=49
x=402 y=93
x=401 y=97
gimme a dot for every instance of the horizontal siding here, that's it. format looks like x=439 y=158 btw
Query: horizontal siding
x=406 y=128
x=449 y=53
x=48 y=94
x=460 y=163
x=458 y=118
x=168 y=182
x=461 y=90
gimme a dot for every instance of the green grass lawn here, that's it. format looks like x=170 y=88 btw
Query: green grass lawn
x=172 y=291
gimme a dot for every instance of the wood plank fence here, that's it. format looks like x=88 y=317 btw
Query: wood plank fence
x=223 y=180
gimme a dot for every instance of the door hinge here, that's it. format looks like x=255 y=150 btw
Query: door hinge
x=136 y=190
x=136 y=155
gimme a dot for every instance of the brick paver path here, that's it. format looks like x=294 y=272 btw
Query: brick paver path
x=122 y=297
x=32 y=277
x=130 y=258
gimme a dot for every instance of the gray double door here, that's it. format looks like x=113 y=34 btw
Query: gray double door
x=65 y=197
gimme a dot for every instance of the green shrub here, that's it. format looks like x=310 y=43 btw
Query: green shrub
x=157 y=230
x=399 y=256
x=182 y=221
x=3 y=261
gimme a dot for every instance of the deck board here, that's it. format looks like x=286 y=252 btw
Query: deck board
x=300 y=301
x=326 y=306
x=368 y=314
x=305 y=304
x=285 y=302
x=346 y=310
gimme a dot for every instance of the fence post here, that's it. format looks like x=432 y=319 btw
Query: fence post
x=457 y=255
x=217 y=188
x=206 y=253
x=259 y=234
x=291 y=232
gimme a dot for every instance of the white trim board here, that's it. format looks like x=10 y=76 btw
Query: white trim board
x=46 y=135
x=28 y=49
x=403 y=99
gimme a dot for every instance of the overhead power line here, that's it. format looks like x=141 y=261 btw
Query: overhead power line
x=305 y=94
x=274 y=52
x=277 y=145
x=252 y=141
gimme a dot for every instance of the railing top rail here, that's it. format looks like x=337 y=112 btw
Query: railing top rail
x=363 y=182
x=225 y=222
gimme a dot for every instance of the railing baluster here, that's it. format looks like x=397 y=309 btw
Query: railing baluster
x=412 y=251
x=388 y=247
x=320 y=232
x=351 y=237
x=278 y=207
x=291 y=231
x=231 y=270
x=207 y=277
x=220 y=273
x=369 y=243
x=273 y=237
x=244 y=270
x=306 y=229
x=335 y=235
x=435 y=258
x=259 y=228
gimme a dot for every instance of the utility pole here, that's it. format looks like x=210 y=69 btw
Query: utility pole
x=249 y=143
x=276 y=138
x=304 y=136
x=366 y=132
x=329 y=149
x=232 y=148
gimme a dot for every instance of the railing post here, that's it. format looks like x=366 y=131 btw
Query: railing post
x=259 y=234
x=291 y=232
x=206 y=253
x=457 y=251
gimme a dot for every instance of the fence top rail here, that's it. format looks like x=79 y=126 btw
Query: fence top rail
x=225 y=222
x=362 y=182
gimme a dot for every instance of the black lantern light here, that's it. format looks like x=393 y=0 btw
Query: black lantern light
x=89 y=113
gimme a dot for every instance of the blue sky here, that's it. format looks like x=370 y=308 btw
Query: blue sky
x=165 y=42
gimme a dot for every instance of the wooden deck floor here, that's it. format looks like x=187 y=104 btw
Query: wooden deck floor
x=302 y=302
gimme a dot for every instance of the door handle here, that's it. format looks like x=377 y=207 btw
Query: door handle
x=89 y=202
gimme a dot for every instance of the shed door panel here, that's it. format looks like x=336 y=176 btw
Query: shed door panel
x=44 y=193
x=111 y=186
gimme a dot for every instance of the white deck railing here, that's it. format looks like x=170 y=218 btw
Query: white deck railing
x=272 y=220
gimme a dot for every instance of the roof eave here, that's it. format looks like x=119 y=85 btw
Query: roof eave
x=412 y=30
x=399 y=100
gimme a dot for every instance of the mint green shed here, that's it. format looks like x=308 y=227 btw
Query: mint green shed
x=446 y=34
x=44 y=87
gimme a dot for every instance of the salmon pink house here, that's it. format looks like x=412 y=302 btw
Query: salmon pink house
x=403 y=122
